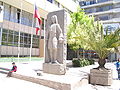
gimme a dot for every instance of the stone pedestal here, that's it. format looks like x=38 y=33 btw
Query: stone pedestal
x=101 y=77
x=57 y=69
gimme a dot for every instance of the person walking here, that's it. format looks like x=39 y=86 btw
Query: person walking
x=118 y=68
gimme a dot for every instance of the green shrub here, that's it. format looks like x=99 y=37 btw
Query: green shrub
x=82 y=62
x=76 y=63
x=91 y=61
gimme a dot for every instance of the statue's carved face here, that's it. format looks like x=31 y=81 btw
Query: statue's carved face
x=54 y=19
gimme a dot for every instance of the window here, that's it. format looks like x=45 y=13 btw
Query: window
x=104 y=8
x=103 y=17
x=16 y=38
x=10 y=38
x=18 y=15
x=42 y=23
x=14 y=15
x=4 y=37
x=100 y=1
x=90 y=10
x=13 y=11
x=7 y=11
x=25 y=39
x=30 y=19
x=35 y=42
x=29 y=40
x=51 y=1
x=82 y=3
x=21 y=39
x=56 y=3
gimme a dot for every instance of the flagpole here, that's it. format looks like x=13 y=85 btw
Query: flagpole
x=32 y=34
x=44 y=36
x=40 y=38
x=19 y=30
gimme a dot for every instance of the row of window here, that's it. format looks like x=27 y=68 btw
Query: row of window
x=85 y=3
x=15 y=15
x=99 y=9
x=11 y=38
x=55 y=2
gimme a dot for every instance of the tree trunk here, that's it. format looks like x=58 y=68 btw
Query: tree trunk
x=83 y=53
x=78 y=55
x=101 y=63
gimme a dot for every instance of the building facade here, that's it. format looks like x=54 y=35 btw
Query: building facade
x=107 y=11
x=17 y=30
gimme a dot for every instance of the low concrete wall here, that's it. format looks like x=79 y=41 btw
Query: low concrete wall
x=53 y=84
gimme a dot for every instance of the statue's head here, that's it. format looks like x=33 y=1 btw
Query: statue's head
x=54 y=19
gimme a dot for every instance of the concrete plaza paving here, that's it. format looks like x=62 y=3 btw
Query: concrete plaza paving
x=29 y=69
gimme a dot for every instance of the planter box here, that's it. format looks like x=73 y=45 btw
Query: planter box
x=101 y=77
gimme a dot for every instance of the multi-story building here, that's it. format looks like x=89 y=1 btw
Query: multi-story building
x=107 y=11
x=18 y=26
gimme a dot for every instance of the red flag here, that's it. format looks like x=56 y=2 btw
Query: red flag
x=38 y=20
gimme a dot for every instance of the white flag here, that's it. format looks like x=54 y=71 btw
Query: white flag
x=1 y=13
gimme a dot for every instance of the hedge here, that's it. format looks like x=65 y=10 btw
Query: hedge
x=82 y=62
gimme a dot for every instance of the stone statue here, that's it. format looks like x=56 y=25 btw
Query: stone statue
x=55 y=37
x=55 y=43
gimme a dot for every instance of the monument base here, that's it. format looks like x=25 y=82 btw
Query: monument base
x=57 y=69
x=101 y=77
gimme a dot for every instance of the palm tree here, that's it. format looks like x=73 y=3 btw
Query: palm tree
x=93 y=37
x=102 y=44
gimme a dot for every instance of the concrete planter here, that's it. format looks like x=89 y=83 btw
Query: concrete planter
x=101 y=77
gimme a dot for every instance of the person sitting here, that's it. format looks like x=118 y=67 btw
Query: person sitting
x=14 y=69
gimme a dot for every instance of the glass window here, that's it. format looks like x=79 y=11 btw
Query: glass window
x=16 y=38
x=23 y=17
x=6 y=12
x=13 y=16
x=42 y=23
x=30 y=19
x=99 y=1
x=5 y=31
x=27 y=40
x=35 y=42
x=51 y=1
x=57 y=3
x=18 y=15
x=11 y=32
x=10 y=38
x=21 y=39
x=90 y=10
x=103 y=17
x=16 y=33
x=5 y=37
x=103 y=8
